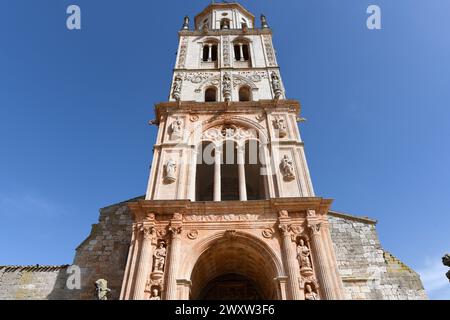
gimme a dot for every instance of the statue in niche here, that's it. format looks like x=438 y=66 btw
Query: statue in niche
x=287 y=168
x=276 y=85
x=446 y=262
x=176 y=129
x=159 y=257
x=310 y=294
x=226 y=86
x=280 y=125
x=101 y=289
x=264 y=23
x=303 y=256
x=169 y=171
x=155 y=294
x=177 y=87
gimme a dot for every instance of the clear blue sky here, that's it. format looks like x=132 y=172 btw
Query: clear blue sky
x=74 y=107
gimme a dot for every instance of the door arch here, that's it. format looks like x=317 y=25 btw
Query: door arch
x=234 y=261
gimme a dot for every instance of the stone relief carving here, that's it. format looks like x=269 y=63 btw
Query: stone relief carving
x=197 y=77
x=269 y=51
x=276 y=85
x=193 y=234
x=268 y=233
x=155 y=294
x=182 y=53
x=310 y=293
x=210 y=81
x=226 y=86
x=287 y=168
x=176 y=92
x=221 y=132
x=176 y=129
x=279 y=125
x=170 y=171
x=101 y=289
x=193 y=118
x=283 y=214
x=254 y=76
x=304 y=258
x=159 y=257
x=226 y=217
x=226 y=51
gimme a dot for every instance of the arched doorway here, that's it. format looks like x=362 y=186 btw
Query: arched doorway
x=235 y=267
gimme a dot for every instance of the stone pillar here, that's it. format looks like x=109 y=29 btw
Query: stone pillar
x=289 y=254
x=175 y=229
x=281 y=285
x=129 y=270
x=192 y=176
x=209 y=51
x=217 y=177
x=145 y=260
x=241 y=51
x=241 y=170
x=185 y=286
x=324 y=273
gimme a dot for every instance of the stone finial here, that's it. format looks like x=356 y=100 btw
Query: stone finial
x=185 y=23
x=264 y=24
x=101 y=289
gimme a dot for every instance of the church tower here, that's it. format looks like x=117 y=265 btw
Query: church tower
x=230 y=210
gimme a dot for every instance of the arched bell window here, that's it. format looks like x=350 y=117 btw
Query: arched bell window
x=245 y=94
x=211 y=94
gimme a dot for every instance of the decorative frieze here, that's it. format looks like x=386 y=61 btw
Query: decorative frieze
x=269 y=50
x=224 y=218
x=183 y=52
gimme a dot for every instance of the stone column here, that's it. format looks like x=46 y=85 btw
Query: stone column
x=174 y=254
x=145 y=260
x=281 y=284
x=209 y=51
x=129 y=270
x=217 y=177
x=290 y=261
x=185 y=286
x=324 y=273
x=192 y=176
x=241 y=51
x=241 y=170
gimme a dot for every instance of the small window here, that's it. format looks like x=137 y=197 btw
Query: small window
x=209 y=52
x=241 y=52
x=244 y=94
x=211 y=95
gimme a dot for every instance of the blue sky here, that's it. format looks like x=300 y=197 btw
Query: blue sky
x=74 y=107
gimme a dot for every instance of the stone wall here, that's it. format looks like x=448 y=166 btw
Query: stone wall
x=103 y=254
x=368 y=272
x=33 y=282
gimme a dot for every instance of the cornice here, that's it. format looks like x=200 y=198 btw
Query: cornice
x=229 y=32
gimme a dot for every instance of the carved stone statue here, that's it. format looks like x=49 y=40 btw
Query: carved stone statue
x=446 y=262
x=155 y=294
x=170 y=171
x=159 y=257
x=177 y=87
x=226 y=86
x=176 y=129
x=303 y=256
x=101 y=289
x=280 y=125
x=264 y=22
x=287 y=168
x=276 y=85
x=310 y=294
x=185 y=23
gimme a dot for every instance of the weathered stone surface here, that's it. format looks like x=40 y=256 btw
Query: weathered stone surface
x=368 y=271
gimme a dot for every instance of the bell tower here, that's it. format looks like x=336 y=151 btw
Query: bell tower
x=230 y=207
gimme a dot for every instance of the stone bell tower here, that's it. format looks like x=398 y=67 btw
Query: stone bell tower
x=230 y=210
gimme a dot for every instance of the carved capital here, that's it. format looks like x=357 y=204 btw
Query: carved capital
x=148 y=231
x=315 y=228
x=284 y=229
x=175 y=231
